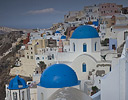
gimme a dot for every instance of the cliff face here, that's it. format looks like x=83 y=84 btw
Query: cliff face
x=7 y=39
x=6 y=30
x=7 y=61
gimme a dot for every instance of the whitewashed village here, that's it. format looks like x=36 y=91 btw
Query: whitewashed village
x=83 y=58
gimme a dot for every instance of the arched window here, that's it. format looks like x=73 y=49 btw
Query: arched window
x=95 y=46
x=110 y=69
x=42 y=96
x=22 y=95
x=74 y=47
x=37 y=58
x=84 y=67
x=14 y=96
x=84 y=47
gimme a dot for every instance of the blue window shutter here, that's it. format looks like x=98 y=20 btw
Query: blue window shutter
x=74 y=47
x=84 y=67
x=95 y=46
x=84 y=48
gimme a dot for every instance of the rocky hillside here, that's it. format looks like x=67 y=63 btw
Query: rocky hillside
x=7 y=39
x=6 y=62
x=5 y=66
x=4 y=30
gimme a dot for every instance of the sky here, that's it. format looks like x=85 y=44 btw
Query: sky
x=30 y=14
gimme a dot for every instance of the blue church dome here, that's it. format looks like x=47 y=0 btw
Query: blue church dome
x=58 y=76
x=63 y=37
x=17 y=83
x=57 y=32
x=85 y=31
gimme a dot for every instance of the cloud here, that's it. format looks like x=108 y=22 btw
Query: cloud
x=48 y=10
x=43 y=11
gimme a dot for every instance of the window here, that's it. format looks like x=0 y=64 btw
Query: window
x=31 y=48
x=37 y=58
x=87 y=15
x=84 y=67
x=27 y=57
x=125 y=35
x=49 y=58
x=99 y=81
x=23 y=95
x=28 y=97
x=110 y=69
x=111 y=29
x=113 y=47
x=52 y=56
x=84 y=47
x=74 y=47
x=42 y=96
x=95 y=46
x=31 y=52
x=31 y=57
x=14 y=96
x=90 y=10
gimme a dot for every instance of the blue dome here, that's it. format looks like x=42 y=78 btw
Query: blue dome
x=63 y=37
x=57 y=32
x=17 y=83
x=84 y=31
x=58 y=76
x=96 y=23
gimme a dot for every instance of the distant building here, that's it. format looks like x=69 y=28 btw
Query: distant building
x=91 y=13
x=125 y=10
x=73 y=16
x=109 y=9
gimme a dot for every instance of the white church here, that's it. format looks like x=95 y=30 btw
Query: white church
x=83 y=54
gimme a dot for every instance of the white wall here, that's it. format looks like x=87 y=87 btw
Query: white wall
x=77 y=66
x=112 y=86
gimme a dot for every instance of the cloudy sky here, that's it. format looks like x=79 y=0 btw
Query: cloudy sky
x=41 y=13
